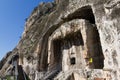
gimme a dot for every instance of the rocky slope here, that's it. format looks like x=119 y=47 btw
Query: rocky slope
x=70 y=40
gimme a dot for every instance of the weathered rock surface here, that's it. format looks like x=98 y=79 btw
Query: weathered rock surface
x=70 y=40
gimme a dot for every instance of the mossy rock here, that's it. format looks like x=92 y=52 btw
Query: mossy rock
x=10 y=77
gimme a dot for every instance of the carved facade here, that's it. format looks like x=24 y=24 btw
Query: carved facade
x=70 y=40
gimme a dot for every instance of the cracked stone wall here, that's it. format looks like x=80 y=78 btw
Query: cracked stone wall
x=52 y=22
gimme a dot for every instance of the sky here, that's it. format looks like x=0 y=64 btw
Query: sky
x=12 y=20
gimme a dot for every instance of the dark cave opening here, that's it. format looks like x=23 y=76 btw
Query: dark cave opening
x=72 y=61
x=95 y=50
x=82 y=13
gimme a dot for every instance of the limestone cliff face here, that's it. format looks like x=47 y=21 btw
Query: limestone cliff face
x=70 y=40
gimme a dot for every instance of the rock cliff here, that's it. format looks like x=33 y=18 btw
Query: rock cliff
x=68 y=40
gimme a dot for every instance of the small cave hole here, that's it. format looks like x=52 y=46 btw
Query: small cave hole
x=72 y=61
